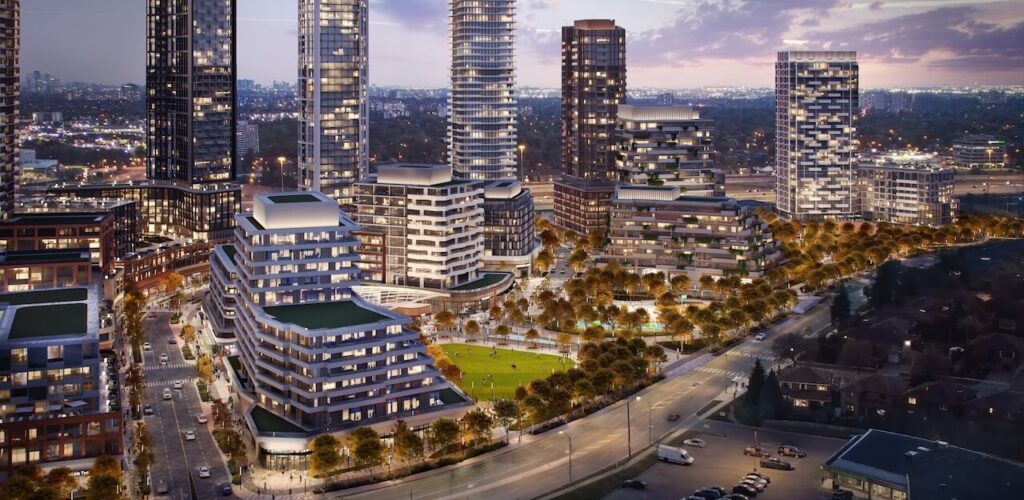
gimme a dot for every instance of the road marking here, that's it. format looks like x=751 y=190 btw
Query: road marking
x=168 y=382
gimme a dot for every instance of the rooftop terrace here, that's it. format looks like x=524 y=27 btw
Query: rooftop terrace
x=315 y=316
x=49 y=321
x=294 y=198
x=486 y=280
x=268 y=422
x=45 y=296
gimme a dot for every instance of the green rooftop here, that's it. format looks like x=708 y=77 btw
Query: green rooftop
x=485 y=281
x=231 y=252
x=45 y=296
x=45 y=256
x=49 y=321
x=268 y=422
x=45 y=219
x=294 y=198
x=253 y=221
x=315 y=316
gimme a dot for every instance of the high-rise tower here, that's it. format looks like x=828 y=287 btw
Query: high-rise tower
x=333 y=119
x=9 y=74
x=190 y=90
x=482 y=100
x=816 y=105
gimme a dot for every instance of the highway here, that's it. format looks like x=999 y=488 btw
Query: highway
x=599 y=440
x=176 y=458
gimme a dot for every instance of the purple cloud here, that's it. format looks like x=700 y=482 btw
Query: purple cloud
x=419 y=15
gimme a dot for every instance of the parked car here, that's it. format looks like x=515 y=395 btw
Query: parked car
x=224 y=489
x=707 y=494
x=695 y=442
x=757 y=485
x=756 y=451
x=202 y=419
x=204 y=471
x=634 y=484
x=735 y=496
x=147 y=409
x=719 y=489
x=190 y=435
x=776 y=463
x=672 y=417
x=674 y=454
x=791 y=451
x=146 y=346
x=758 y=481
x=743 y=489
x=161 y=487
x=761 y=475
x=167 y=393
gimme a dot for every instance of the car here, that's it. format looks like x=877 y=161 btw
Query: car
x=634 y=484
x=147 y=409
x=190 y=435
x=203 y=470
x=146 y=346
x=758 y=481
x=708 y=494
x=743 y=489
x=167 y=393
x=164 y=358
x=776 y=463
x=172 y=340
x=674 y=454
x=788 y=450
x=756 y=451
x=178 y=384
x=695 y=442
x=202 y=419
x=735 y=496
x=760 y=336
x=224 y=489
x=719 y=489
x=672 y=417
x=753 y=484
x=760 y=475
x=161 y=487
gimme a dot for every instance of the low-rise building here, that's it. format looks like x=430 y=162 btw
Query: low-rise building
x=53 y=388
x=656 y=227
x=882 y=464
x=979 y=151
x=93 y=231
x=906 y=188
x=40 y=269
x=313 y=357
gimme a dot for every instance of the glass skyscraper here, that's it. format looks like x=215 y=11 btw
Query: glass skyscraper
x=9 y=74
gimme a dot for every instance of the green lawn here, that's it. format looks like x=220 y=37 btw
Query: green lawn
x=478 y=367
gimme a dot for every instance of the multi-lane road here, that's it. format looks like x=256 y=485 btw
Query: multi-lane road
x=600 y=440
x=176 y=458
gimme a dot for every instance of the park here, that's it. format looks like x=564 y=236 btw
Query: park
x=506 y=369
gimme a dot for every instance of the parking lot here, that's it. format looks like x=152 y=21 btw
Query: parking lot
x=722 y=463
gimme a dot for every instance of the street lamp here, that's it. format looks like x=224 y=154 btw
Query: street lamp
x=650 y=426
x=280 y=161
x=567 y=436
x=522 y=148
x=629 y=431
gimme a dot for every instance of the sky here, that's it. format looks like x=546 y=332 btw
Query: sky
x=670 y=43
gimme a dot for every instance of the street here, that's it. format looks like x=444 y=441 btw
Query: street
x=177 y=459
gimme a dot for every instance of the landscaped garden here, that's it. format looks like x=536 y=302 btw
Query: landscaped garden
x=506 y=369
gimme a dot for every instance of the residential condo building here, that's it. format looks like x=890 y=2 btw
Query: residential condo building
x=510 y=222
x=313 y=357
x=10 y=12
x=593 y=86
x=816 y=107
x=979 y=151
x=482 y=99
x=333 y=109
x=906 y=188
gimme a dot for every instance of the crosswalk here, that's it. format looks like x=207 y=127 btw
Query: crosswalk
x=168 y=382
x=166 y=366
x=766 y=358
x=718 y=371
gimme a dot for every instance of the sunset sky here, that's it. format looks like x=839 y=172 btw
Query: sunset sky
x=671 y=43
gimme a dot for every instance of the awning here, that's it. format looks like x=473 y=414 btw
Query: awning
x=75 y=404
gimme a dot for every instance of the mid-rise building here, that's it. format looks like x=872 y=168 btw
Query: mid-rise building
x=657 y=227
x=248 y=139
x=22 y=271
x=333 y=109
x=313 y=357
x=510 y=237
x=482 y=99
x=979 y=151
x=667 y=146
x=10 y=16
x=816 y=108
x=190 y=90
x=90 y=231
x=593 y=87
x=906 y=188
x=430 y=224
x=53 y=381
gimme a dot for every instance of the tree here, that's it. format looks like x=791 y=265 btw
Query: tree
x=680 y=284
x=507 y=412
x=188 y=334
x=445 y=320
x=204 y=368
x=221 y=414
x=578 y=259
x=408 y=444
x=545 y=259
x=62 y=480
x=503 y=331
x=928 y=365
x=841 y=307
x=443 y=432
x=755 y=384
x=324 y=456
x=595 y=239
x=144 y=456
x=789 y=345
x=562 y=341
x=887 y=282
x=478 y=425
x=104 y=479
x=367 y=448
x=771 y=403
x=472 y=329
x=532 y=335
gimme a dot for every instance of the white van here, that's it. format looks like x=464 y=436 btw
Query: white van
x=674 y=454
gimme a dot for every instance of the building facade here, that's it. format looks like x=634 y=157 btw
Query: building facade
x=482 y=99
x=816 y=108
x=656 y=227
x=333 y=109
x=979 y=151
x=313 y=357
x=247 y=139
x=510 y=237
x=41 y=269
x=10 y=44
x=906 y=188
x=430 y=224
x=667 y=146
x=220 y=302
x=91 y=231
x=190 y=90
x=53 y=384
x=581 y=206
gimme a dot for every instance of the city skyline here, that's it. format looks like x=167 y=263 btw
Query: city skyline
x=899 y=43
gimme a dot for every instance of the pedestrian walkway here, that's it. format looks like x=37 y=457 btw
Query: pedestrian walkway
x=168 y=382
x=168 y=366
x=718 y=371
